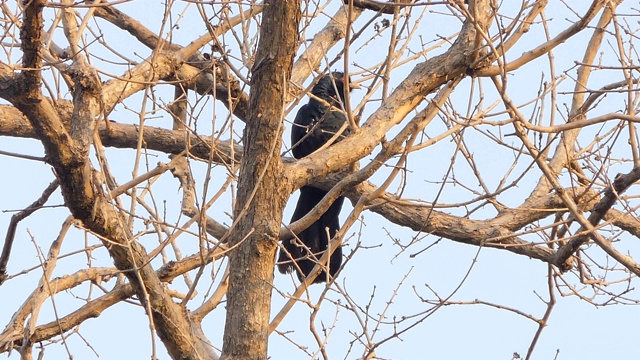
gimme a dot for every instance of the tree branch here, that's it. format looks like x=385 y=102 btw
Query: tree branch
x=599 y=211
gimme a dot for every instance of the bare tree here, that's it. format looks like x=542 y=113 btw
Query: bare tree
x=504 y=126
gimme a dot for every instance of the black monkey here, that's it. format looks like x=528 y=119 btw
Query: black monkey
x=315 y=124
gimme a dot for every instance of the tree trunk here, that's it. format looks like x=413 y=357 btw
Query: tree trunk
x=262 y=188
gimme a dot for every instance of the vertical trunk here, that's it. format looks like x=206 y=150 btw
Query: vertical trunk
x=262 y=189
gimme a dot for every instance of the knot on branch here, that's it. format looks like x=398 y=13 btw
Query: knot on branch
x=86 y=80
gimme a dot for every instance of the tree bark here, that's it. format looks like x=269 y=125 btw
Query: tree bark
x=262 y=188
x=67 y=150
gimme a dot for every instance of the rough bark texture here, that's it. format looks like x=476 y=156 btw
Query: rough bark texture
x=67 y=150
x=66 y=130
x=262 y=189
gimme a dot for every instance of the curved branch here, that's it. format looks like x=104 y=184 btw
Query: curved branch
x=611 y=195
x=488 y=233
x=424 y=79
x=126 y=136
x=542 y=49
x=13 y=337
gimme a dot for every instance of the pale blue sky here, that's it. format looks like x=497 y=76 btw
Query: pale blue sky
x=577 y=329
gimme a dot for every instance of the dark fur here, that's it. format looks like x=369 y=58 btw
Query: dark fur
x=314 y=125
